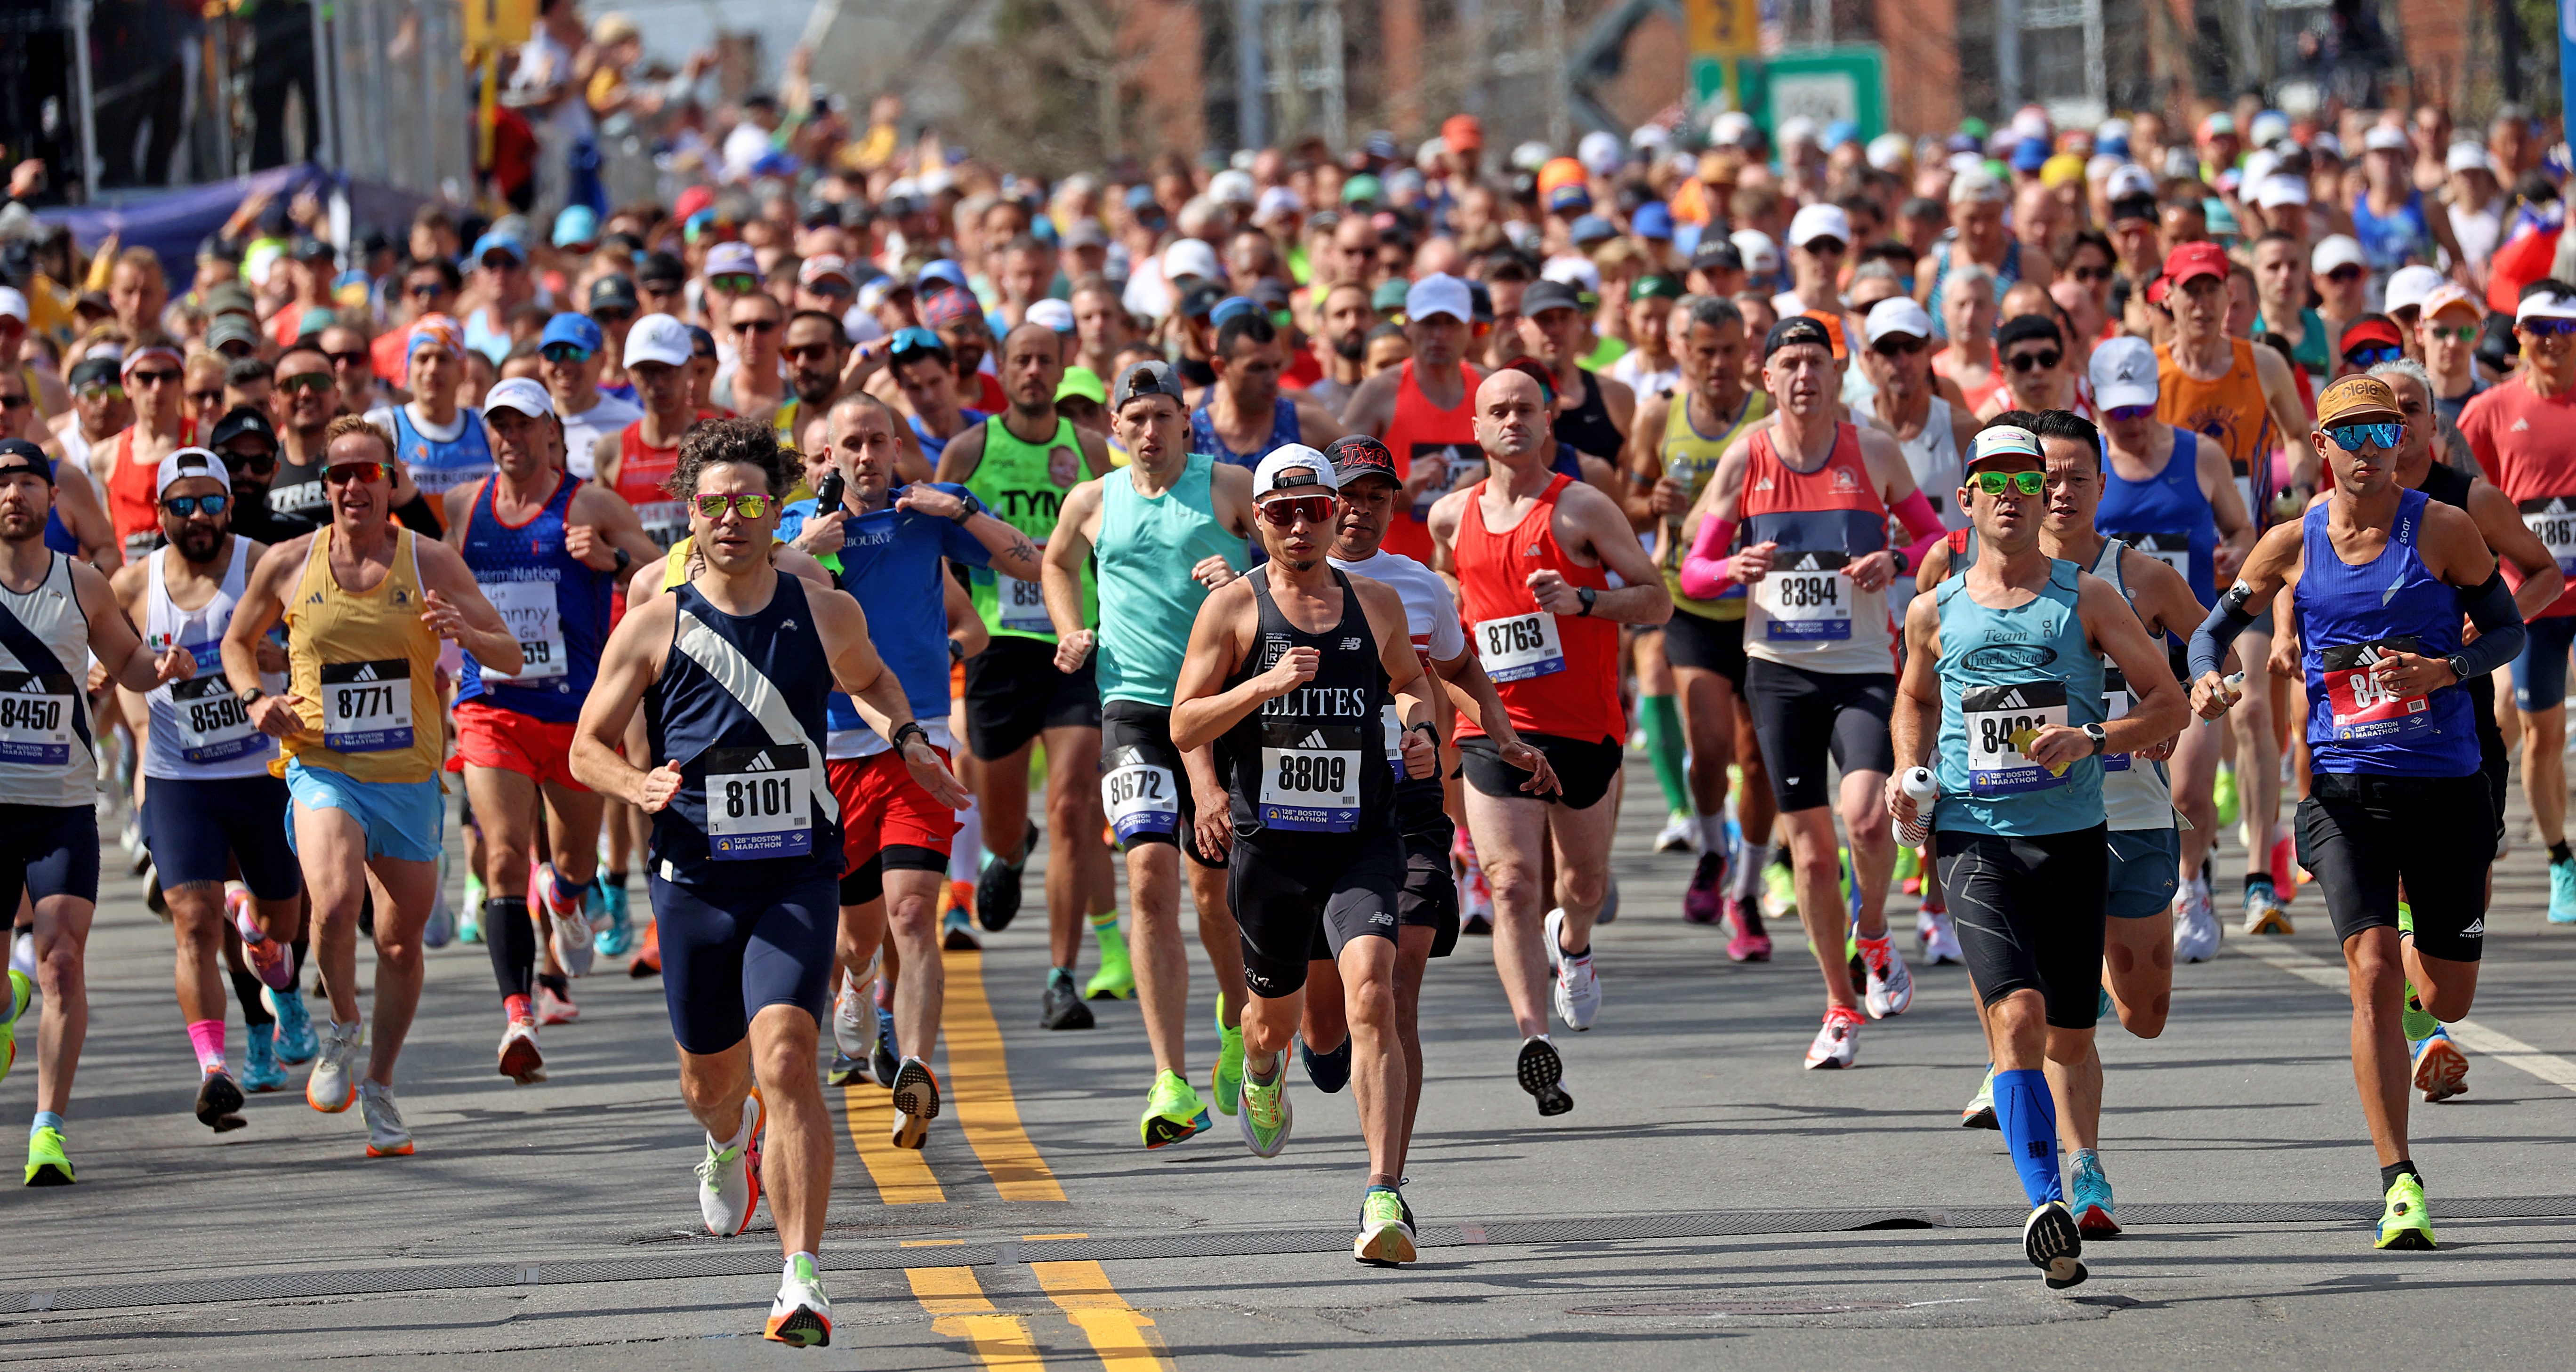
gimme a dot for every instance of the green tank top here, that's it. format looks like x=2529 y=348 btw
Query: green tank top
x=1690 y=457
x=1148 y=599
x=1023 y=484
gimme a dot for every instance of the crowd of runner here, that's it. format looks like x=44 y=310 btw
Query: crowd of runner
x=1316 y=535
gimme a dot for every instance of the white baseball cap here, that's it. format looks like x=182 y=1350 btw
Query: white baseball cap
x=1820 y=221
x=2281 y=188
x=2128 y=180
x=522 y=393
x=2545 y=305
x=1729 y=127
x=2124 y=373
x=1760 y=254
x=1572 y=271
x=1439 y=293
x=1897 y=314
x=1797 y=128
x=2337 y=250
x=1888 y=151
x=1268 y=477
x=2260 y=163
x=2408 y=286
x=2468 y=157
x=657 y=338
x=1191 y=257
x=1599 y=152
x=2384 y=138
x=188 y=462
x=1277 y=200
x=2004 y=440
x=1055 y=314
x=1969 y=187
x=1230 y=187
x=13 y=304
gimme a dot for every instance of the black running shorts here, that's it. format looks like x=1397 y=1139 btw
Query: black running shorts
x=1014 y=693
x=1707 y=645
x=1802 y=717
x=2362 y=835
x=1133 y=733
x=1429 y=899
x=1583 y=767
x=2029 y=914
x=1302 y=900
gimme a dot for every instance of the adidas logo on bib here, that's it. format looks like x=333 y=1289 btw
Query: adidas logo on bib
x=760 y=763
x=2012 y=701
x=1315 y=740
x=365 y=673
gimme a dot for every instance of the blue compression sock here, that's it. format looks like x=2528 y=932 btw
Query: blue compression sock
x=2028 y=1115
x=46 y=1119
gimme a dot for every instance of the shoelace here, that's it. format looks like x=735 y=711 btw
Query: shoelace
x=1265 y=1101
x=714 y=1159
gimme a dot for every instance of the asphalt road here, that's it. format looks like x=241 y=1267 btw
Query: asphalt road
x=1707 y=1203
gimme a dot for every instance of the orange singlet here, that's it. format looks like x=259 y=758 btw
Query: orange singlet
x=2229 y=412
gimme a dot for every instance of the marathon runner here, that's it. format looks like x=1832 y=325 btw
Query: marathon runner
x=1533 y=551
x=571 y=354
x=547 y=549
x=2523 y=433
x=2380 y=577
x=125 y=466
x=1424 y=409
x=635 y=461
x=1297 y=667
x=439 y=442
x=1019 y=465
x=365 y=603
x=2016 y=737
x=1166 y=530
x=1245 y=417
x=1815 y=496
x=1598 y=413
x=733 y=668
x=924 y=372
x=208 y=800
x=49 y=773
x=887 y=546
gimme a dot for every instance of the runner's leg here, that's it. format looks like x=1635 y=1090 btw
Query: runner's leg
x=1511 y=839
x=1076 y=858
x=405 y=890
x=62 y=940
x=1162 y=963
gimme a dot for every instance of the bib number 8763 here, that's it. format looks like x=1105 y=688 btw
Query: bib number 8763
x=1512 y=635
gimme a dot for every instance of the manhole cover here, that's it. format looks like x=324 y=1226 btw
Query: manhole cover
x=1673 y=1308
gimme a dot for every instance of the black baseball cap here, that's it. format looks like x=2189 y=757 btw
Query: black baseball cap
x=1141 y=379
x=1358 y=455
x=18 y=455
x=90 y=369
x=1718 y=256
x=1550 y=295
x=243 y=420
x=660 y=267
x=819 y=212
x=1199 y=297
x=613 y=293
x=1794 y=330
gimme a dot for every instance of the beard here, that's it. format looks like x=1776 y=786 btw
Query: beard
x=199 y=544
x=1352 y=347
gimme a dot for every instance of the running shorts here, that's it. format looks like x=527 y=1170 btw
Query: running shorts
x=1304 y=900
x=197 y=828
x=730 y=951
x=2540 y=673
x=862 y=882
x=1802 y=717
x=1133 y=733
x=1584 y=768
x=882 y=807
x=2363 y=835
x=1014 y=693
x=1704 y=644
x=2144 y=871
x=51 y=850
x=1429 y=899
x=489 y=735
x=401 y=819
x=2028 y=911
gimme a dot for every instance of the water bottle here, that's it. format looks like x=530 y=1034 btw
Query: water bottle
x=2231 y=690
x=1919 y=784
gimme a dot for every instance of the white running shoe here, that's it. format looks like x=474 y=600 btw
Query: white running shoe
x=1679 y=834
x=387 y=1136
x=333 y=1084
x=854 y=1025
x=520 y=1059
x=800 y=1314
x=1891 y=986
x=2196 y=931
x=728 y=1180
x=22 y=955
x=1578 y=989
x=1939 y=938
x=1838 y=1042
x=568 y=929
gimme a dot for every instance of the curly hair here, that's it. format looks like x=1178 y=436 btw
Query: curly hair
x=718 y=442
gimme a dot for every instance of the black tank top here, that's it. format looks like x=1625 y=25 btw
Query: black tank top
x=2447 y=484
x=1587 y=426
x=1313 y=763
x=2450 y=485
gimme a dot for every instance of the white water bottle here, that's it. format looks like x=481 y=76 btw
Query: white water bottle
x=1918 y=783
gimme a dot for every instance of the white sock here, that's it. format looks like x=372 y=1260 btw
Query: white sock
x=1748 y=867
x=787 y=1273
x=1712 y=832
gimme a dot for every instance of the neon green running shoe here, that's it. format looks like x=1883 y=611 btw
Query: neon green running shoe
x=2223 y=792
x=1116 y=979
x=1172 y=1112
x=22 y=990
x=1266 y=1111
x=47 y=1166
x=1386 y=1236
x=1909 y=864
x=2405 y=1224
x=1226 y=1082
x=469 y=920
x=1779 y=892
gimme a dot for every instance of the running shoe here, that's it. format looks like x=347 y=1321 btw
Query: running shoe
x=1838 y=1042
x=1542 y=1074
x=2285 y=864
x=22 y=953
x=728 y=1185
x=1062 y=1007
x=1937 y=938
x=1749 y=943
x=1172 y=1112
x=2562 y=892
x=1704 y=900
x=2406 y=1223
x=520 y=1060
x=613 y=925
x=2055 y=1246
x=997 y=891
x=22 y=993
x=1891 y=986
x=1329 y=1071
x=2263 y=912
x=647 y=961
x=1779 y=892
x=469 y=920
x=46 y=1163
x=1908 y=872
x=1979 y=1113
x=2441 y=1069
x=1609 y=911
x=270 y=959
x=333 y=1083
x=568 y=927
x=1226 y=1082
x=1386 y=1229
x=916 y=1102
x=295 y=1042
x=1680 y=833
x=2222 y=793
x=260 y=1072
x=853 y=1035
x=439 y=929
x=1475 y=894
x=2196 y=931
x=554 y=1007
x=219 y=1101
x=887 y=1058
x=800 y=1314
x=2092 y=1204
x=1267 y=1115
x=1116 y=979
x=957 y=933
x=387 y=1135
x=1578 y=988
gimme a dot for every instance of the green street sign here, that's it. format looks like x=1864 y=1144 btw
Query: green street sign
x=1824 y=84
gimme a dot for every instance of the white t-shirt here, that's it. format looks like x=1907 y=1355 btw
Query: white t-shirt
x=583 y=431
x=382 y=417
x=1430 y=612
x=1631 y=368
x=2477 y=231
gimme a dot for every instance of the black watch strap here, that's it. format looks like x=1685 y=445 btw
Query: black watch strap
x=910 y=728
x=1588 y=596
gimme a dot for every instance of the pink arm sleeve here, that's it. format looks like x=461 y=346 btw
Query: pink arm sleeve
x=1704 y=572
x=1922 y=522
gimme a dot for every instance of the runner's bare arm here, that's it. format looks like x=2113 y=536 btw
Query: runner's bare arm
x=628 y=664
x=1466 y=677
x=454 y=509
x=2227 y=508
x=1601 y=476
x=1095 y=452
x=2273 y=565
x=1936 y=565
x=1645 y=495
x=1014 y=553
x=89 y=524
x=2281 y=397
x=2160 y=593
x=602 y=517
x=2514 y=542
x=1230 y=495
x=965 y=627
x=262 y=604
x=1600 y=528
x=1621 y=400
x=1372 y=406
x=1203 y=707
x=1916 y=720
x=113 y=640
x=457 y=609
x=2159 y=712
x=1068 y=550
x=603 y=460
x=878 y=693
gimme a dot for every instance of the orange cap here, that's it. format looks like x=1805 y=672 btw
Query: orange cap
x=1462 y=131
x=2357 y=399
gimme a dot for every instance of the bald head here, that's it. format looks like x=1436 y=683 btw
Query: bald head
x=1511 y=419
x=861 y=439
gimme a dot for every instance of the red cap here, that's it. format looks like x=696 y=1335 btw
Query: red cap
x=2369 y=332
x=1462 y=131
x=692 y=200
x=2158 y=289
x=2189 y=260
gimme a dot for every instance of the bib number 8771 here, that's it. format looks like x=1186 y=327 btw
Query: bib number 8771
x=1315 y=775
x=360 y=702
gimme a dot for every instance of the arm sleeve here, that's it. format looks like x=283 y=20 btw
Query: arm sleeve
x=1704 y=571
x=2500 y=633
x=1922 y=521
x=2209 y=642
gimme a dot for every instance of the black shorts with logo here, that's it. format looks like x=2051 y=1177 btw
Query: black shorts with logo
x=2362 y=835
x=1584 y=768
x=1303 y=899
x=1135 y=733
x=1014 y=693
x=1707 y=645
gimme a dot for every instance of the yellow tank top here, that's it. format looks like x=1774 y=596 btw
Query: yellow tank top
x=1689 y=457
x=366 y=669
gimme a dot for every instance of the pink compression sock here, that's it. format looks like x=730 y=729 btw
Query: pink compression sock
x=208 y=1036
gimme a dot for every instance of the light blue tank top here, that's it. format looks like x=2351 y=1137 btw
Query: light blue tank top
x=2003 y=672
x=1148 y=599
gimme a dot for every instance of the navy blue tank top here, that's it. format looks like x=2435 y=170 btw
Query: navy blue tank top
x=2348 y=616
x=1283 y=431
x=2167 y=516
x=740 y=707
x=556 y=606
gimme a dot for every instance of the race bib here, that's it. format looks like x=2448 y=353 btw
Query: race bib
x=1394 y=739
x=2001 y=720
x=665 y=522
x=1316 y=790
x=1518 y=647
x=2173 y=550
x=756 y=804
x=1021 y=605
x=366 y=706
x=214 y=726
x=534 y=615
x=2552 y=520
x=2116 y=701
x=36 y=718
x=1141 y=799
x=2363 y=707
x=1807 y=597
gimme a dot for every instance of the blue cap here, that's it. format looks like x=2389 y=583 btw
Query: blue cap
x=2030 y=154
x=913 y=340
x=577 y=224
x=1591 y=228
x=1571 y=198
x=1837 y=133
x=1652 y=220
x=1139 y=196
x=502 y=242
x=571 y=328
x=941 y=269
x=2117 y=145
x=1231 y=306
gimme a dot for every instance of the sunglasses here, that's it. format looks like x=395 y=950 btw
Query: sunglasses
x=2045 y=361
x=185 y=505
x=305 y=381
x=832 y=289
x=2129 y=414
x=748 y=505
x=2546 y=328
x=349 y=359
x=155 y=378
x=1825 y=245
x=735 y=283
x=425 y=290
x=103 y=391
x=1284 y=514
x=1996 y=483
x=16 y=402
x=2382 y=435
x=213 y=397
x=250 y=462
x=808 y=352
x=2459 y=333
x=564 y=352
x=2373 y=356
x=2089 y=275
x=2344 y=274
x=341 y=474
x=1902 y=346
x=756 y=326
x=611 y=316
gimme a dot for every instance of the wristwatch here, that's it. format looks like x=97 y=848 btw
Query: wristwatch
x=1429 y=730
x=625 y=560
x=246 y=697
x=910 y=728
x=2100 y=738
x=1587 y=595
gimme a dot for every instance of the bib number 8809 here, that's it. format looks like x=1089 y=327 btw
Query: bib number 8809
x=1327 y=774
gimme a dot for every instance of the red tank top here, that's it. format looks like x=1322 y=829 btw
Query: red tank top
x=1419 y=426
x=1557 y=674
x=131 y=500
x=642 y=474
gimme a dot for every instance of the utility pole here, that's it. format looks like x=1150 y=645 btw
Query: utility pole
x=1251 y=107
